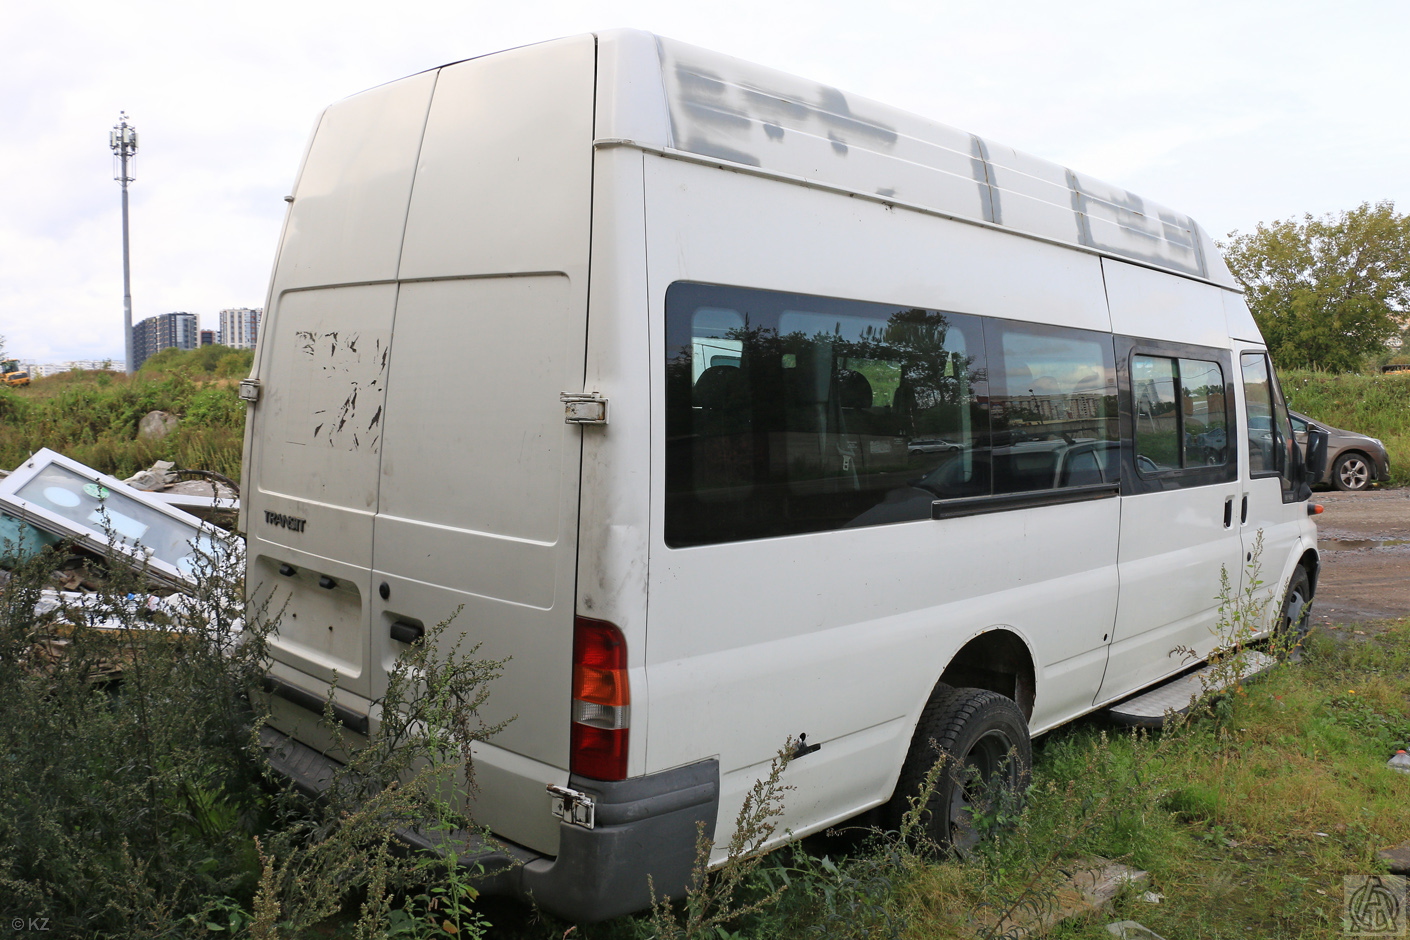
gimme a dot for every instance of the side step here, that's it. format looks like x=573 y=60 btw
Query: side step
x=1148 y=709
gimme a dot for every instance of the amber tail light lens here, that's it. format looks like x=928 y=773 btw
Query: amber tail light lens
x=601 y=701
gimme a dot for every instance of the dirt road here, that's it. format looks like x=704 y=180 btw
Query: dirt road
x=1365 y=543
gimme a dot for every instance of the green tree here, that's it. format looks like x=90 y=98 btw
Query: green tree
x=1327 y=292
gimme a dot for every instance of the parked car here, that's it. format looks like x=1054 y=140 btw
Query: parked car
x=1354 y=461
x=932 y=446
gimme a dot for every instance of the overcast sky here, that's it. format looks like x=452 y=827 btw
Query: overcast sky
x=1234 y=112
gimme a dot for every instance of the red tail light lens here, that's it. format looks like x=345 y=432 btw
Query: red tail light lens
x=601 y=701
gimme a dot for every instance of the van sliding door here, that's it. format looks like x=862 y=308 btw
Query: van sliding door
x=1180 y=490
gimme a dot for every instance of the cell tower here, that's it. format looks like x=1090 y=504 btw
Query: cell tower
x=122 y=140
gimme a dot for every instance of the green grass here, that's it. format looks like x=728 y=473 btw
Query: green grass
x=1378 y=405
x=93 y=416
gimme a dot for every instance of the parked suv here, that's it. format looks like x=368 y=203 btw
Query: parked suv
x=1354 y=461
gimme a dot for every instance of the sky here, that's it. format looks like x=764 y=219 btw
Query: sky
x=1234 y=112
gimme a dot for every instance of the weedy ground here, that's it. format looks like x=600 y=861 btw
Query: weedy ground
x=1247 y=817
x=139 y=808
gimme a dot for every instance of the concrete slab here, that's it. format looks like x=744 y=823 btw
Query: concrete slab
x=1088 y=885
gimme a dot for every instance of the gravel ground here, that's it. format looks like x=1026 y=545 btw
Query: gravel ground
x=1364 y=539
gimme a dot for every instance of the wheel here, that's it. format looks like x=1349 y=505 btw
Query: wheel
x=983 y=739
x=1297 y=611
x=1351 y=472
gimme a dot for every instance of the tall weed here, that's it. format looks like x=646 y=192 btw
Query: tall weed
x=138 y=798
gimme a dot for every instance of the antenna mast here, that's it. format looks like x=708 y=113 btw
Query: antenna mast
x=123 y=142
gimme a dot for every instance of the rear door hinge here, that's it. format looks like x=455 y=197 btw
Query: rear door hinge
x=249 y=390
x=583 y=407
x=573 y=806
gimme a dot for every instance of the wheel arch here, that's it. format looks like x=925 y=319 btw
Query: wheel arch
x=998 y=660
x=1311 y=562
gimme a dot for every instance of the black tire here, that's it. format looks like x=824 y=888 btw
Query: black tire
x=1352 y=472
x=1296 y=613
x=983 y=739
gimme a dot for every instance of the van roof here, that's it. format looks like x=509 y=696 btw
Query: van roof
x=679 y=99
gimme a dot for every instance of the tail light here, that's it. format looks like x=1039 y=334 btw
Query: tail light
x=601 y=701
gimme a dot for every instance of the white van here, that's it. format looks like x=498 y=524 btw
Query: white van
x=623 y=346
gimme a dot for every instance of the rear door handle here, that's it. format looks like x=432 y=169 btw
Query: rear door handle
x=1243 y=515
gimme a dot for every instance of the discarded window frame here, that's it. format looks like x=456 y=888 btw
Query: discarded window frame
x=62 y=496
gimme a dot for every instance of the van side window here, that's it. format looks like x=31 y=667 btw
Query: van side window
x=1053 y=401
x=1181 y=414
x=787 y=413
x=1270 y=432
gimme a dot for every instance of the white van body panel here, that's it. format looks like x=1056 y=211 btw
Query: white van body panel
x=615 y=521
x=468 y=243
x=718 y=666
x=443 y=477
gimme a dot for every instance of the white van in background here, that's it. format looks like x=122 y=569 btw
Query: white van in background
x=624 y=347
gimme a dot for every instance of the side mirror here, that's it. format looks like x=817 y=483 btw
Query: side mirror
x=1314 y=464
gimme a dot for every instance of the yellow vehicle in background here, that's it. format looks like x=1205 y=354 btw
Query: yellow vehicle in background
x=13 y=375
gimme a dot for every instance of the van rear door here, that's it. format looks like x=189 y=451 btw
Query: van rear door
x=478 y=493
x=314 y=438
x=410 y=453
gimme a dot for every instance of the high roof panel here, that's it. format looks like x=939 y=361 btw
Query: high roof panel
x=726 y=109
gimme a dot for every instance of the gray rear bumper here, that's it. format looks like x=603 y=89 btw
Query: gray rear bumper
x=644 y=826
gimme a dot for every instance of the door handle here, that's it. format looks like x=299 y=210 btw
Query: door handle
x=1228 y=512
x=1243 y=515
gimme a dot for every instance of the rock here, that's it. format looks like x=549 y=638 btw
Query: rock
x=1397 y=858
x=156 y=425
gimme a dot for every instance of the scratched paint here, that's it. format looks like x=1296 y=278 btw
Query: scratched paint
x=348 y=371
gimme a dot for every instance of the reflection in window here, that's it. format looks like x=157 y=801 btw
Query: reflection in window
x=1204 y=437
x=1055 y=417
x=787 y=413
x=1270 y=433
x=1258 y=404
x=1181 y=413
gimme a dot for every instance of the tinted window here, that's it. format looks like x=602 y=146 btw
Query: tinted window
x=1181 y=414
x=1270 y=433
x=787 y=413
x=1055 y=416
x=1258 y=409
